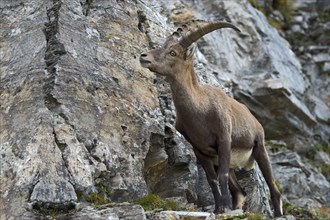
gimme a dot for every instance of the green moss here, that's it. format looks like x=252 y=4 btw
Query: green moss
x=99 y=197
x=278 y=185
x=301 y=213
x=96 y=199
x=320 y=147
x=253 y=216
x=152 y=202
x=323 y=213
x=189 y=218
x=275 y=145
x=173 y=205
x=325 y=15
x=289 y=209
x=256 y=5
x=325 y=170
x=246 y=216
x=103 y=188
x=149 y=202
x=286 y=7
x=275 y=23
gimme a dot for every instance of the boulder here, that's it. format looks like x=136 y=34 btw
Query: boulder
x=300 y=182
x=109 y=211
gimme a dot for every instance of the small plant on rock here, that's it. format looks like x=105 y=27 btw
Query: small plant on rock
x=96 y=199
x=153 y=202
x=301 y=213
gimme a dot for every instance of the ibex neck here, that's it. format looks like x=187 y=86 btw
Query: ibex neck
x=185 y=89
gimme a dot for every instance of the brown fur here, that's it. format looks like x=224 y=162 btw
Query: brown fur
x=223 y=132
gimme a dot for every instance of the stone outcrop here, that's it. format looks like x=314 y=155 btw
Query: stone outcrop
x=75 y=106
x=311 y=42
x=80 y=117
x=310 y=189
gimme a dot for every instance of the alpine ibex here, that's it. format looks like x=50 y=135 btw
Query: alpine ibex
x=223 y=132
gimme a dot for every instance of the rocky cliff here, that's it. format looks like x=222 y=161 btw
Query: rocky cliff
x=81 y=120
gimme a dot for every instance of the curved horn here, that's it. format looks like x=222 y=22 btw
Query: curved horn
x=202 y=28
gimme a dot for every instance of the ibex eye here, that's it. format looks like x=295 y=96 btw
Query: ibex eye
x=172 y=53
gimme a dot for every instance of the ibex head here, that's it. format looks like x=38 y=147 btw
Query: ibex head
x=178 y=50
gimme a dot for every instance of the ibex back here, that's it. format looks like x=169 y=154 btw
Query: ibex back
x=223 y=132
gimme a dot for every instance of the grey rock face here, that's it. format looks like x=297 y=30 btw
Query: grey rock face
x=300 y=182
x=118 y=211
x=312 y=46
x=251 y=181
x=110 y=211
x=59 y=100
x=79 y=115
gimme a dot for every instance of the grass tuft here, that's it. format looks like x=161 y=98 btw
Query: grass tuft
x=152 y=202
x=245 y=216
x=301 y=213
x=96 y=199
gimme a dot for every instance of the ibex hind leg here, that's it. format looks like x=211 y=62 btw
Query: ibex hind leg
x=260 y=155
x=238 y=194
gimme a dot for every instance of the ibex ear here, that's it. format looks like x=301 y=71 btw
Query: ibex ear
x=190 y=51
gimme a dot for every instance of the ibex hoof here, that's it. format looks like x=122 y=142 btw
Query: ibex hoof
x=224 y=209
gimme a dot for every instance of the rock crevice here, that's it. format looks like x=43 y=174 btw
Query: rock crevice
x=54 y=50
